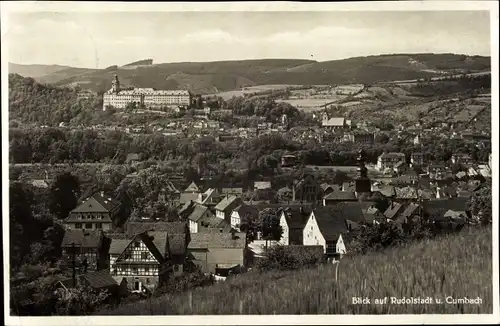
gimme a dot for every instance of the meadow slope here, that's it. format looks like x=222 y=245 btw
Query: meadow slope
x=455 y=265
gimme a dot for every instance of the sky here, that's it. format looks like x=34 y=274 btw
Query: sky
x=102 y=39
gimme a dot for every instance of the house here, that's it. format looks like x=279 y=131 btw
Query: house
x=226 y=206
x=464 y=159
x=211 y=223
x=393 y=211
x=288 y=160
x=215 y=252
x=400 y=167
x=373 y=215
x=262 y=185
x=99 y=281
x=306 y=190
x=417 y=159
x=327 y=188
x=438 y=171
x=437 y=208
x=197 y=213
x=339 y=196
x=86 y=247
x=365 y=138
x=328 y=226
x=210 y=197
x=389 y=160
x=459 y=216
x=192 y=188
x=144 y=263
x=292 y=222
x=333 y=123
x=241 y=214
x=133 y=159
x=187 y=197
x=94 y=213
x=406 y=193
x=409 y=214
x=231 y=191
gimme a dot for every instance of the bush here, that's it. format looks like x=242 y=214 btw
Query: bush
x=185 y=282
x=291 y=257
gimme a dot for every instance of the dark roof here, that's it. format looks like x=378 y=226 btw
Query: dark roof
x=99 y=279
x=197 y=212
x=134 y=228
x=97 y=203
x=212 y=222
x=244 y=209
x=392 y=210
x=296 y=217
x=330 y=222
x=187 y=197
x=439 y=207
x=217 y=240
x=82 y=238
x=192 y=187
x=341 y=195
x=117 y=246
x=410 y=210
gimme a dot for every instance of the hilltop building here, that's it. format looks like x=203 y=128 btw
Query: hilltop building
x=149 y=97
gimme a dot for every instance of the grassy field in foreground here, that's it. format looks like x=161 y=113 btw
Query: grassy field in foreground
x=456 y=265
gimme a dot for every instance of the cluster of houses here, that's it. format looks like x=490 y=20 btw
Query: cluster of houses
x=210 y=234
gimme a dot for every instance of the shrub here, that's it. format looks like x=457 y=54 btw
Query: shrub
x=290 y=257
x=185 y=282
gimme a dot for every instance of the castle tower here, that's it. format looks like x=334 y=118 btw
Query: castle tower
x=115 y=85
x=363 y=183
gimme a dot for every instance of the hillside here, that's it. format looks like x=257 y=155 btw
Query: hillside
x=207 y=77
x=437 y=268
x=32 y=102
x=34 y=71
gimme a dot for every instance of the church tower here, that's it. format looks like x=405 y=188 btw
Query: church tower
x=115 y=85
x=363 y=183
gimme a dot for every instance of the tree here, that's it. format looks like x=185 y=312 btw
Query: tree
x=480 y=205
x=64 y=195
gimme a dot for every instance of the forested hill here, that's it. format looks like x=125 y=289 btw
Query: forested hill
x=213 y=77
x=33 y=102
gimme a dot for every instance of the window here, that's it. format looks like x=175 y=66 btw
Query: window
x=146 y=270
x=88 y=225
x=176 y=268
x=98 y=225
x=137 y=244
x=134 y=270
x=144 y=255
x=78 y=225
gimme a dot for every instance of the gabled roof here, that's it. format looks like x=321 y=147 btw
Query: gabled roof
x=99 y=279
x=244 y=209
x=393 y=210
x=455 y=214
x=331 y=224
x=406 y=193
x=134 y=228
x=97 y=203
x=117 y=246
x=217 y=240
x=296 y=217
x=410 y=210
x=192 y=188
x=340 y=195
x=438 y=207
x=186 y=197
x=197 y=213
x=148 y=241
x=82 y=238
x=334 y=122
x=227 y=203
x=260 y=185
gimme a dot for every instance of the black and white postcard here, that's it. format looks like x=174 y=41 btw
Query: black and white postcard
x=250 y=163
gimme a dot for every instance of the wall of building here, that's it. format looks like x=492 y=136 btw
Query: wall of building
x=312 y=235
x=285 y=236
